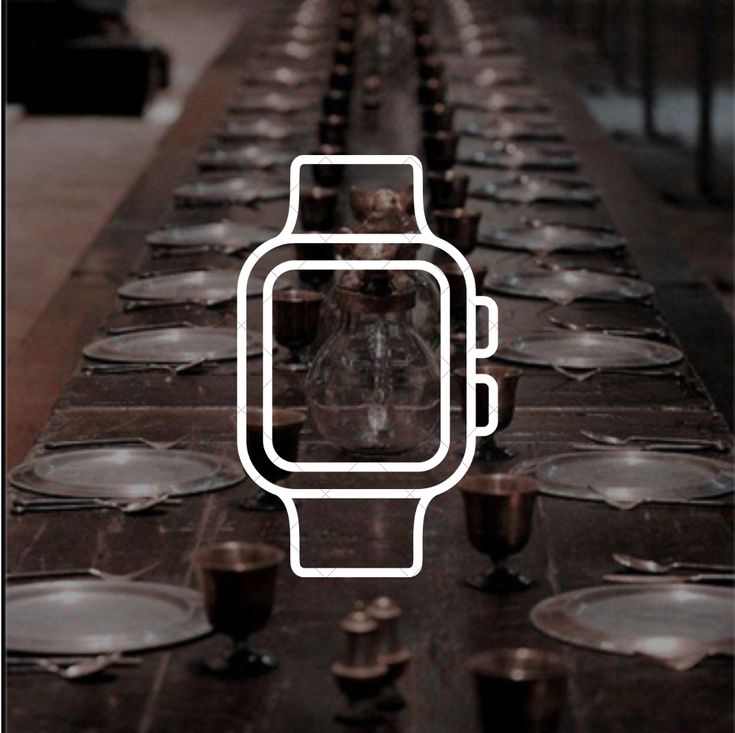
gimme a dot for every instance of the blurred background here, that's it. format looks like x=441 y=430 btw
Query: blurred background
x=93 y=85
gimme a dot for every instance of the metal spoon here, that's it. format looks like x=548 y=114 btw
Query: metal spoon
x=133 y=507
x=71 y=572
x=136 y=305
x=714 y=578
x=118 y=330
x=642 y=565
x=605 y=439
x=81 y=669
x=640 y=332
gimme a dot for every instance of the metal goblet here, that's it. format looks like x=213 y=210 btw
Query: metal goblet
x=318 y=207
x=459 y=227
x=295 y=324
x=499 y=514
x=448 y=190
x=287 y=426
x=519 y=690
x=507 y=380
x=437 y=117
x=440 y=149
x=238 y=582
x=458 y=294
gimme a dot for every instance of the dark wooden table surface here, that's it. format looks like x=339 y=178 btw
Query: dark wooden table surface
x=444 y=621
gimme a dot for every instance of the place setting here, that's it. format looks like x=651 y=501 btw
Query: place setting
x=543 y=238
x=525 y=189
x=220 y=237
x=236 y=191
x=511 y=129
x=272 y=102
x=244 y=157
x=519 y=100
x=515 y=157
x=289 y=77
x=261 y=127
x=175 y=350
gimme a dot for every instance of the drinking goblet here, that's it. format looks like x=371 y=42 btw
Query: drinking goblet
x=519 y=690
x=295 y=324
x=430 y=92
x=459 y=227
x=328 y=175
x=437 y=117
x=238 y=582
x=458 y=294
x=499 y=514
x=440 y=149
x=507 y=381
x=448 y=190
x=287 y=426
x=318 y=208
x=333 y=131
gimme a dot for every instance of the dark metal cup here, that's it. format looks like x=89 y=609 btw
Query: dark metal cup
x=425 y=45
x=333 y=131
x=458 y=293
x=448 y=189
x=327 y=174
x=438 y=117
x=519 y=690
x=344 y=53
x=440 y=149
x=287 y=426
x=238 y=582
x=341 y=77
x=431 y=91
x=336 y=102
x=459 y=227
x=431 y=67
x=296 y=324
x=318 y=208
x=499 y=514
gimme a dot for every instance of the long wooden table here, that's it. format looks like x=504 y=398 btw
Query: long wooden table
x=444 y=621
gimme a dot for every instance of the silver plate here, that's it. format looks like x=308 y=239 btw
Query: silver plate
x=675 y=623
x=566 y=286
x=553 y=238
x=271 y=102
x=504 y=128
x=196 y=285
x=193 y=285
x=521 y=157
x=217 y=234
x=168 y=346
x=125 y=473
x=259 y=129
x=515 y=101
x=527 y=190
x=626 y=478
x=249 y=156
x=587 y=351
x=242 y=191
x=98 y=617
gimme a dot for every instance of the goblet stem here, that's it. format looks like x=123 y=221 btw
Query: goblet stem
x=498 y=579
x=262 y=501
x=488 y=450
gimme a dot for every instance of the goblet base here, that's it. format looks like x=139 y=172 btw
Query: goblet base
x=262 y=501
x=240 y=663
x=489 y=450
x=390 y=700
x=499 y=580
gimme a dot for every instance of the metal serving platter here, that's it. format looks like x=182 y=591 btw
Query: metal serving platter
x=168 y=346
x=263 y=128
x=98 y=617
x=125 y=473
x=217 y=234
x=276 y=102
x=626 y=478
x=528 y=190
x=553 y=238
x=243 y=191
x=676 y=624
x=240 y=158
x=566 y=286
x=581 y=350
x=522 y=157
x=516 y=101
x=503 y=128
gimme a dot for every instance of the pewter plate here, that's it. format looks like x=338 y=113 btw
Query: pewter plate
x=566 y=286
x=661 y=621
x=521 y=157
x=249 y=156
x=527 y=190
x=552 y=238
x=125 y=473
x=285 y=76
x=515 y=101
x=169 y=346
x=217 y=234
x=571 y=350
x=259 y=129
x=504 y=128
x=630 y=477
x=271 y=102
x=242 y=191
x=98 y=617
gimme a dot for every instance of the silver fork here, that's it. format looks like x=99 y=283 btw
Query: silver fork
x=583 y=375
x=612 y=440
x=131 y=368
x=80 y=668
x=72 y=572
x=137 y=305
x=119 y=330
x=162 y=252
x=132 y=507
x=642 y=332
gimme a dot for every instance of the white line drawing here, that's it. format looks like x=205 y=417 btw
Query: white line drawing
x=475 y=302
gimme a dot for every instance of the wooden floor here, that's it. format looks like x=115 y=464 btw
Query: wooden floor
x=445 y=622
